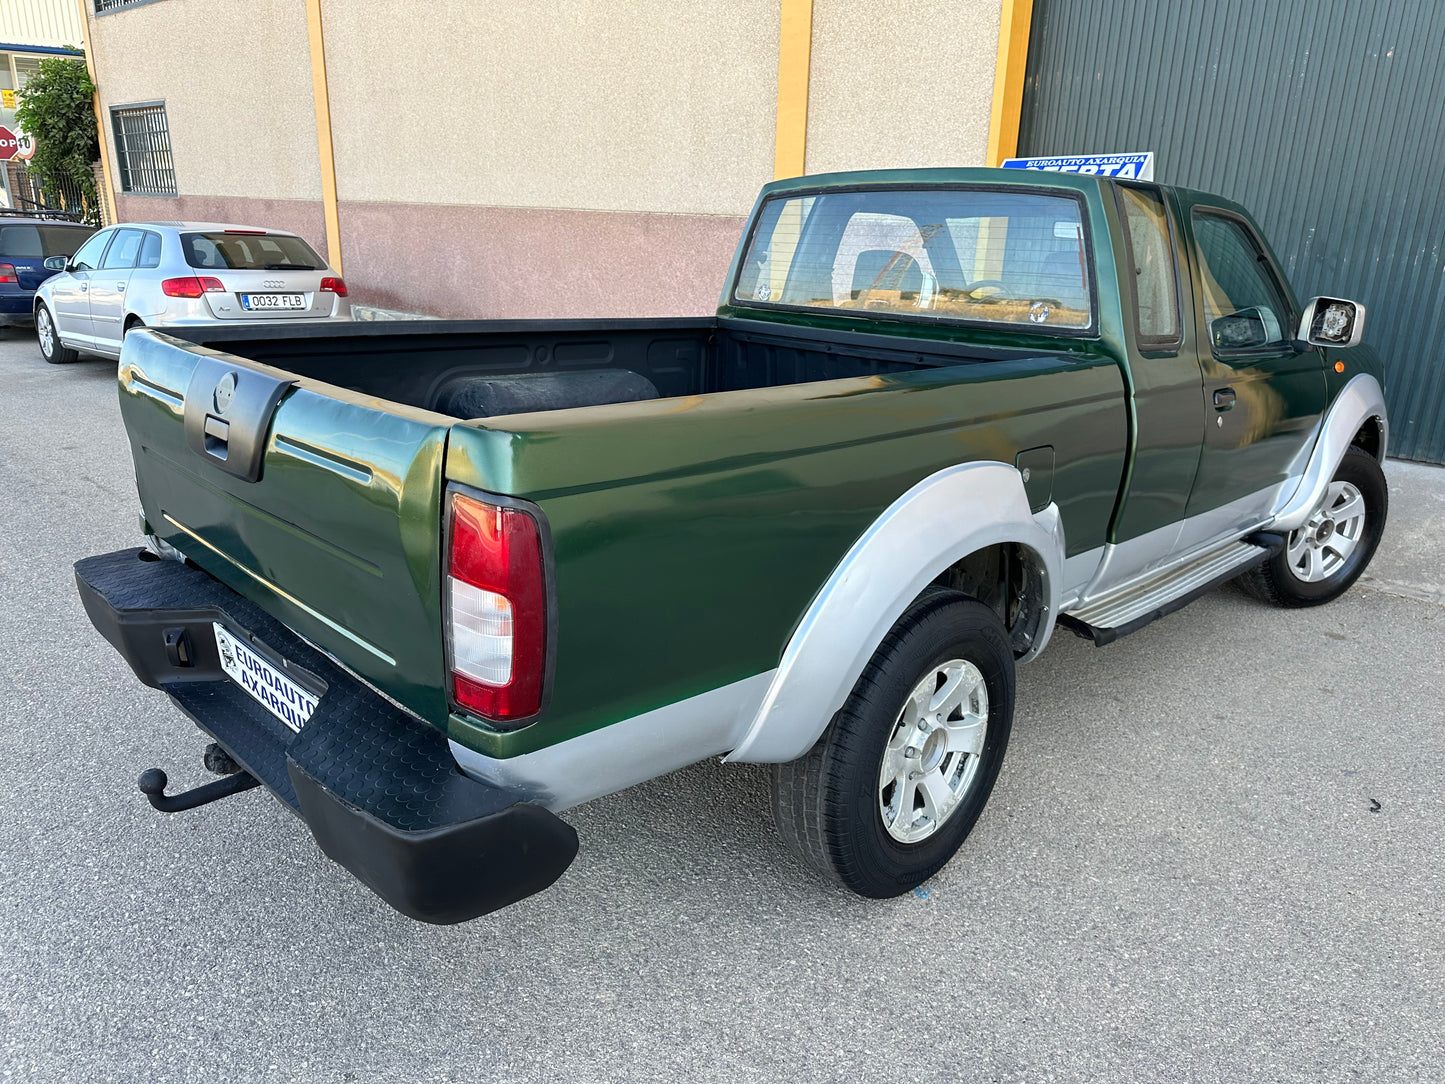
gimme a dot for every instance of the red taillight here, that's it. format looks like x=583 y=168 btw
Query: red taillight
x=7 y=273
x=248 y=233
x=192 y=286
x=335 y=286
x=497 y=610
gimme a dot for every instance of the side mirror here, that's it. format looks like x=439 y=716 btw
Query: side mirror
x=57 y=263
x=1245 y=329
x=1332 y=321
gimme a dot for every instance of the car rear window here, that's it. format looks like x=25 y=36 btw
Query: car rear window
x=249 y=252
x=964 y=253
x=37 y=242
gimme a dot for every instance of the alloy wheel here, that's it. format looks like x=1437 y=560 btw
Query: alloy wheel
x=933 y=753
x=1321 y=547
x=45 y=331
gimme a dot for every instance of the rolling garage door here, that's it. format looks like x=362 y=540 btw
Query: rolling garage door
x=1321 y=116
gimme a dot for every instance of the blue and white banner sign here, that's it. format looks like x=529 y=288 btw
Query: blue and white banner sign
x=1138 y=167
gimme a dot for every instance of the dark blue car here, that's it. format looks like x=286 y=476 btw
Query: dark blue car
x=27 y=240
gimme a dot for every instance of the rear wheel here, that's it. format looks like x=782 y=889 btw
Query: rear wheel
x=897 y=781
x=1322 y=558
x=49 y=339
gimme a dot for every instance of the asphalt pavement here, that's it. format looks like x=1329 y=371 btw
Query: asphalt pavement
x=1214 y=853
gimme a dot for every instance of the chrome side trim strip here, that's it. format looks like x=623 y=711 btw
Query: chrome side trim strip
x=622 y=754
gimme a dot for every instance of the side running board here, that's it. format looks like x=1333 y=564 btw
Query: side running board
x=1104 y=620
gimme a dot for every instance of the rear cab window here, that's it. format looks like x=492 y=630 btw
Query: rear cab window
x=961 y=253
x=34 y=241
x=249 y=252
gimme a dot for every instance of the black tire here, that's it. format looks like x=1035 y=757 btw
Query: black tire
x=827 y=803
x=58 y=354
x=1276 y=582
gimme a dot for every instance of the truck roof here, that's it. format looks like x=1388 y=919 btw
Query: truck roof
x=1034 y=178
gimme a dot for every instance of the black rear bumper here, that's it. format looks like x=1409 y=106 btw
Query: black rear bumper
x=378 y=788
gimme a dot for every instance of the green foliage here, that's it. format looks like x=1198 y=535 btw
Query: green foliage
x=56 y=110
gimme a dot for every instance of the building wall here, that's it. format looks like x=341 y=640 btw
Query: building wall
x=48 y=23
x=236 y=82
x=589 y=159
x=895 y=83
x=545 y=164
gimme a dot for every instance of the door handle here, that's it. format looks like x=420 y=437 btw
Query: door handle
x=1224 y=399
x=120 y=286
x=85 y=287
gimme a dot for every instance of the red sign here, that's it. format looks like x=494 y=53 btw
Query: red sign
x=9 y=145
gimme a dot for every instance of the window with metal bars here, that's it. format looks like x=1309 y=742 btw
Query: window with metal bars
x=103 y=6
x=143 y=149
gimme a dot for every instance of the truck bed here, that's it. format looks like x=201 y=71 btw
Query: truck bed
x=421 y=363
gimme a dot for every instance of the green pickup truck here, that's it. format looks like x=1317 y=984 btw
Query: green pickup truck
x=433 y=584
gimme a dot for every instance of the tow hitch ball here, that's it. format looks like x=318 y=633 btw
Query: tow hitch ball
x=153 y=782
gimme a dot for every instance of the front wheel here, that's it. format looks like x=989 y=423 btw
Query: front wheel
x=1322 y=558
x=48 y=337
x=897 y=781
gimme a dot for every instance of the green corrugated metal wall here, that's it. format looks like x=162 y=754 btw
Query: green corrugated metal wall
x=1325 y=117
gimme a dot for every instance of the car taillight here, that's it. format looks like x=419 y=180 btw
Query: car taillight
x=333 y=286
x=7 y=273
x=496 y=610
x=192 y=286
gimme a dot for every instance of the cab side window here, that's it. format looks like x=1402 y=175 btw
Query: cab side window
x=88 y=257
x=1153 y=283
x=1244 y=305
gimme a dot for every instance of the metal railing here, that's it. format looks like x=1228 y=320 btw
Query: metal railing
x=62 y=194
x=143 y=150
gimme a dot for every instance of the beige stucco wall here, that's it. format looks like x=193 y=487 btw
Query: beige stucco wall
x=897 y=83
x=594 y=104
x=236 y=80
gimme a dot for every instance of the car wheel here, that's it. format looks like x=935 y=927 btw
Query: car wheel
x=1322 y=558
x=49 y=339
x=897 y=781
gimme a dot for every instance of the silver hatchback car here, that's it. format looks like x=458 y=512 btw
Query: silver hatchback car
x=151 y=274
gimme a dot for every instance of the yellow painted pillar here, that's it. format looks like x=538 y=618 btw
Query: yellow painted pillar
x=1009 y=70
x=795 y=48
x=324 y=152
x=107 y=192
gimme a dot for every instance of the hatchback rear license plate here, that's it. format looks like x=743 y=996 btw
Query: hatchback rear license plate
x=273 y=301
x=275 y=692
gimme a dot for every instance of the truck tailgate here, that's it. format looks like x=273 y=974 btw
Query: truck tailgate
x=321 y=504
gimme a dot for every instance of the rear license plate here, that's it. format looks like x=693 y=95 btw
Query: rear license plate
x=273 y=301
x=275 y=692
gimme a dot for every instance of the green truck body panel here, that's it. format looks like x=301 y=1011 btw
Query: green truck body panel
x=691 y=532
x=689 y=536
x=344 y=535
